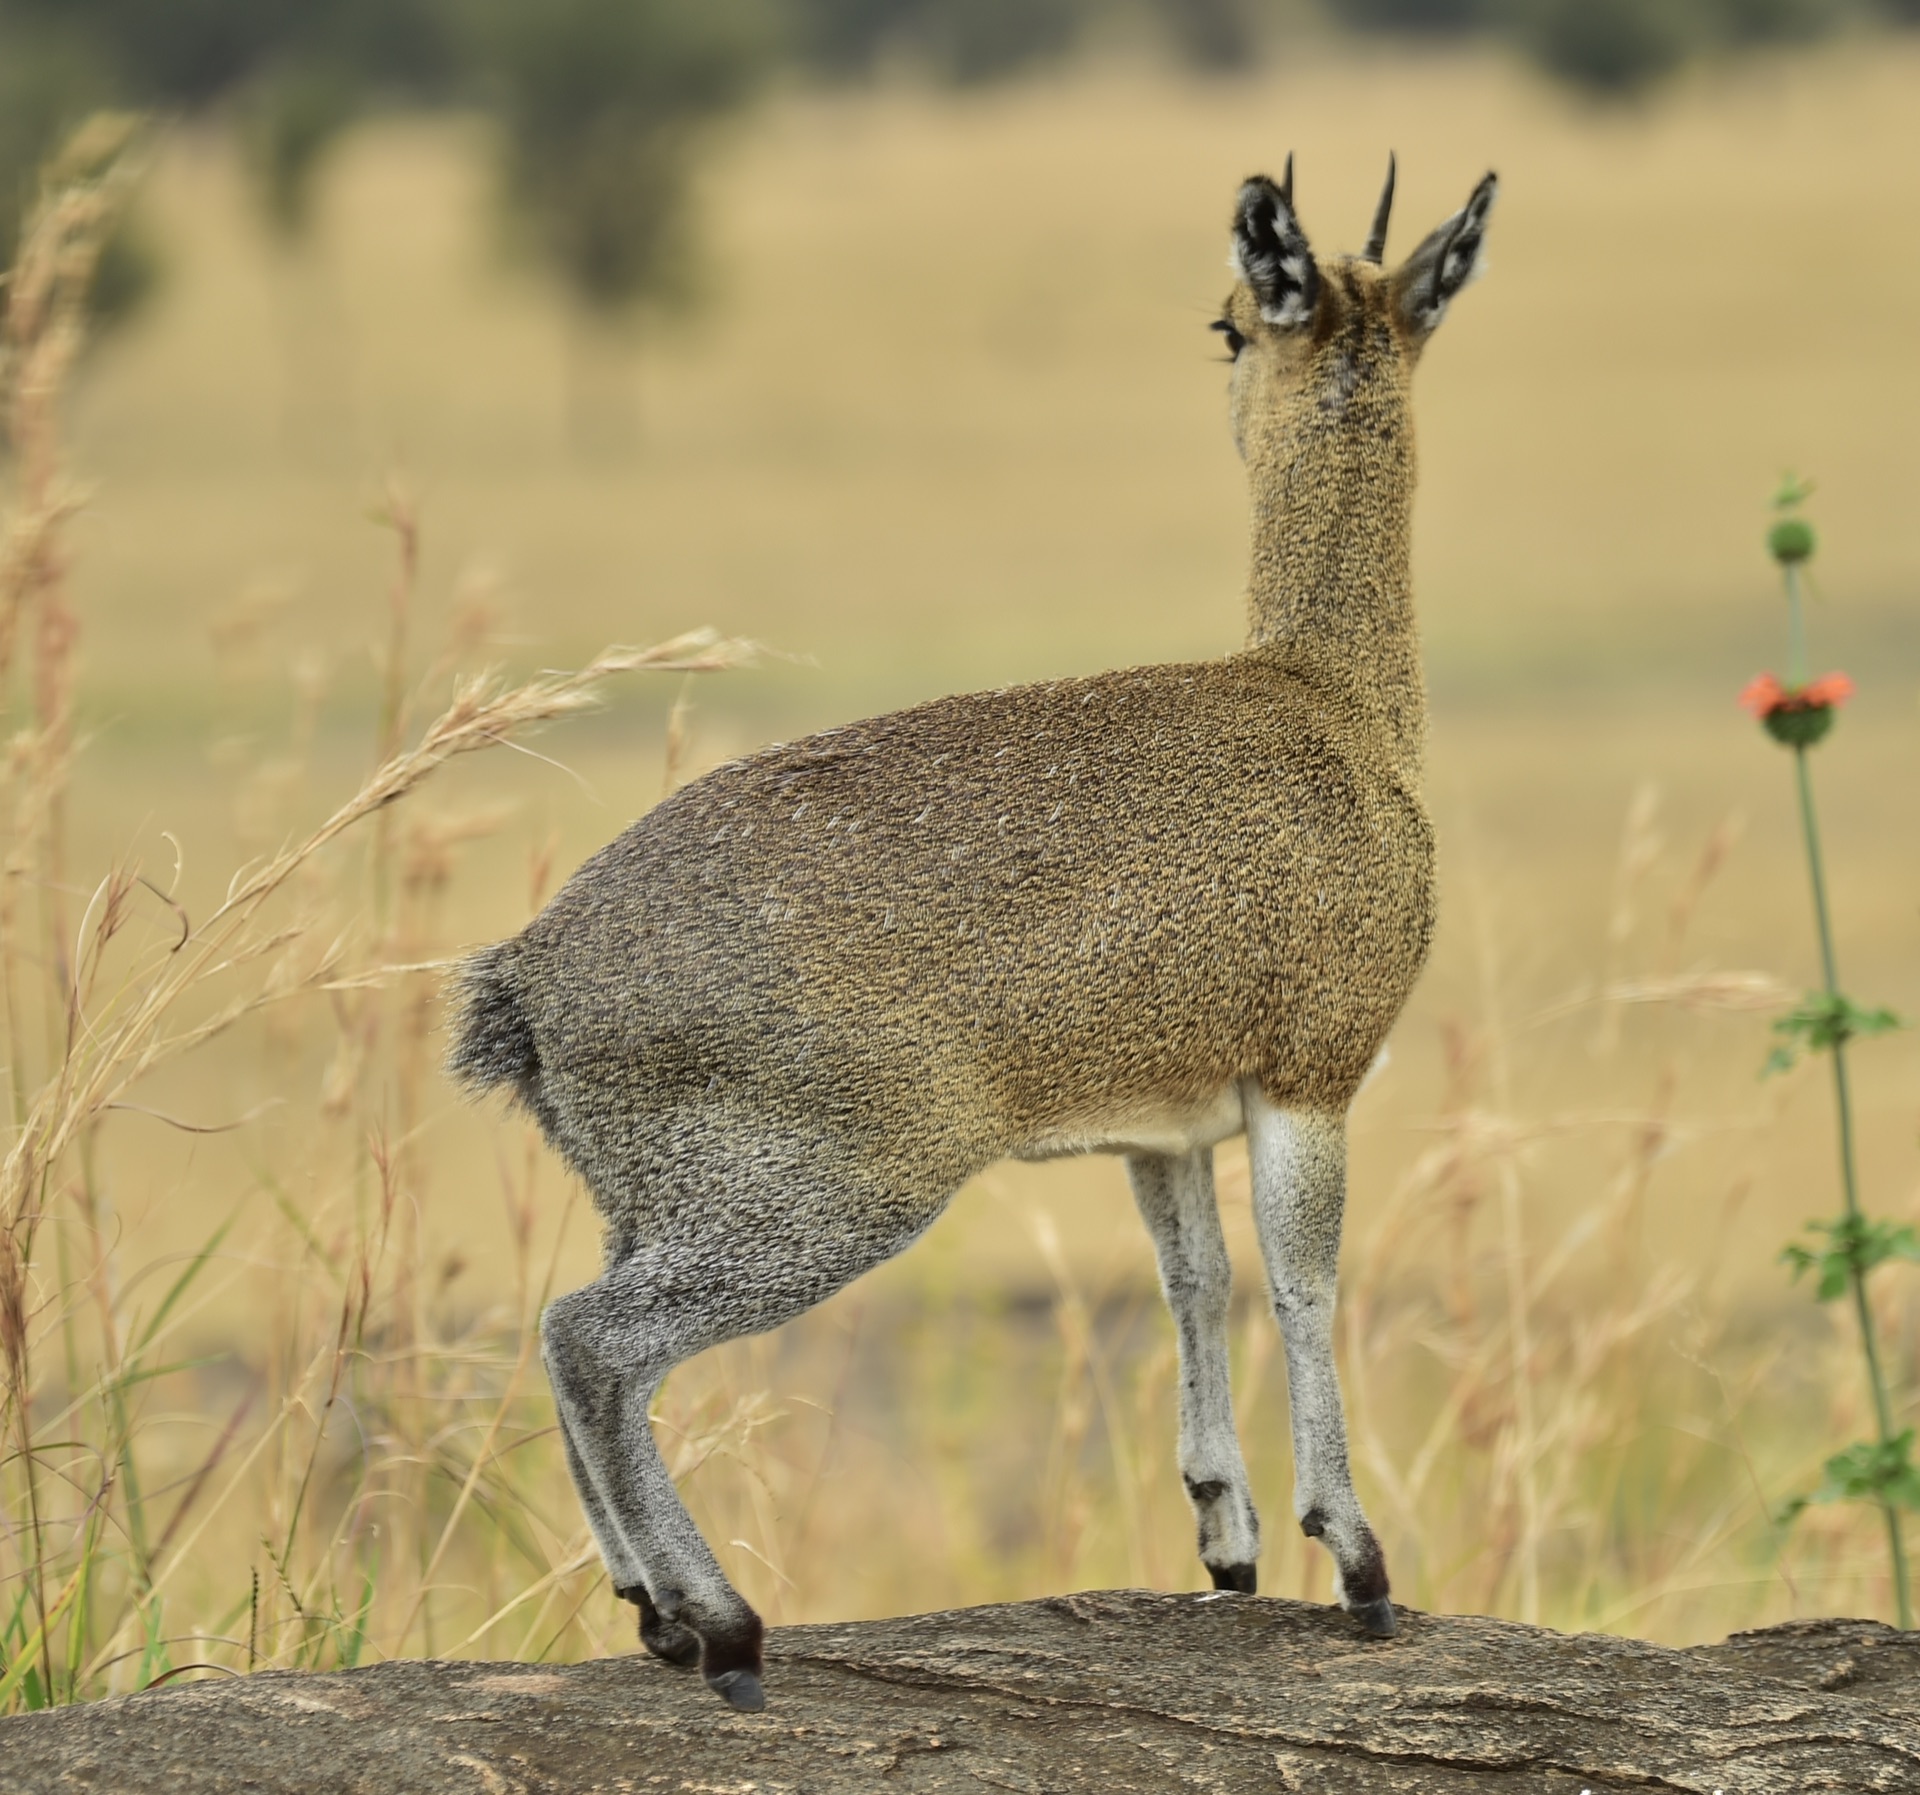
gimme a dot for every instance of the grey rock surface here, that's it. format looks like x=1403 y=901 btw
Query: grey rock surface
x=1113 y=1692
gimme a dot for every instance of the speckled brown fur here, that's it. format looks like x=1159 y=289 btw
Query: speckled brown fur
x=991 y=922
x=780 y=1020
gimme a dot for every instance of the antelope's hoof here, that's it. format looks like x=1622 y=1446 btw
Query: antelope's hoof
x=739 y=1689
x=671 y=1642
x=1242 y=1579
x=1376 y=1617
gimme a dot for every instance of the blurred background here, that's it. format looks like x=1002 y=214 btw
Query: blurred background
x=875 y=331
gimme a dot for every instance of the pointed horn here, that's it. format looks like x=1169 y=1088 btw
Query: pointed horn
x=1286 y=182
x=1377 y=237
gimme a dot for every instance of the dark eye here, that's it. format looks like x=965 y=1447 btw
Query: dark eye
x=1235 y=341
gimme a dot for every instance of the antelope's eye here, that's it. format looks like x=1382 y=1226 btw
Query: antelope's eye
x=1234 y=340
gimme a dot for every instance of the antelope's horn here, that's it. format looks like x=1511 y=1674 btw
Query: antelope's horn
x=1377 y=237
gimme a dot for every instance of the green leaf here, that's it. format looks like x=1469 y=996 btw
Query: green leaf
x=196 y=1263
x=1824 y=1021
x=1791 y=491
x=23 y=1674
x=352 y=1635
x=1855 y=1245
x=155 y=1659
x=1877 y=1471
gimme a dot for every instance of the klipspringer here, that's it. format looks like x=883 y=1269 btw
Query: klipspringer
x=778 y=1022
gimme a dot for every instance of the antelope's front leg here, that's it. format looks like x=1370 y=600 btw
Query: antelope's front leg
x=1299 y=1163
x=1176 y=1199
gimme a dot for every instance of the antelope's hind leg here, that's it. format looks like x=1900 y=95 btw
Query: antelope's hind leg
x=737 y=1264
x=1176 y=1199
x=678 y=1645
x=1299 y=1163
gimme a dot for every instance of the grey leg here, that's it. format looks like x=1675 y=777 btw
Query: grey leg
x=1299 y=1162
x=677 y=1644
x=609 y=1346
x=606 y=1356
x=1176 y=1200
x=622 y=1562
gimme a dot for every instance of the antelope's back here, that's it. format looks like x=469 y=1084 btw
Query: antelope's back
x=997 y=915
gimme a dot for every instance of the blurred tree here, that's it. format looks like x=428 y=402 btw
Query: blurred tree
x=51 y=79
x=1410 y=15
x=1761 y=21
x=287 y=117
x=1219 y=35
x=49 y=82
x=605 y=105
x=982 y=40
x=846 y=37
x=307 y=81
x=1609 y=46
x=961 y=40
x=290 y=74
x=301 y=66
x=188 y=54
x=177 y=53
x=1621 y=46
x=290 y=118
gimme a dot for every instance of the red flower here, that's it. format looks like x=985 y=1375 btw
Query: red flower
x=1765 y=696
x=1796 y=715
x=1762 y=696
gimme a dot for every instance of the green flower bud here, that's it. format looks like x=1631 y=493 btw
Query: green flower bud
x=1791 y=541
x=1799 y=728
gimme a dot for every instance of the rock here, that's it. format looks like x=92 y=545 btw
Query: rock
x=1111 y=1692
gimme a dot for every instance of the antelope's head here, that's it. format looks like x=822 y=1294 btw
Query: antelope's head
x=1328 y=348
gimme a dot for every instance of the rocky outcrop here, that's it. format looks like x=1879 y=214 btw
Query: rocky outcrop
x=1108 y=1692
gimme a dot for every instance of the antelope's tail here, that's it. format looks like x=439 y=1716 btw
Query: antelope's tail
x=492 y=1038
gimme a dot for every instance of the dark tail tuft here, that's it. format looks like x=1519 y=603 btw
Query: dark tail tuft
x=492 y=1038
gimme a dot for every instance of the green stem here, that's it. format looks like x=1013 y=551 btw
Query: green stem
x=1797 y=650
x=1849 y=1179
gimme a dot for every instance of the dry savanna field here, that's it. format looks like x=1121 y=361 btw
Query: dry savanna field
x=949 y=416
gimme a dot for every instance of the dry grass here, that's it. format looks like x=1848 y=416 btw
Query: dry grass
x=95 y=1010
x=964 y=432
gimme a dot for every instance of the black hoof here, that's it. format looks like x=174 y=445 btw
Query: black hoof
x=1243 y=1579
x=731 y=1663
x=1376 y=1617
x=671 y=1641
x=739 y=1689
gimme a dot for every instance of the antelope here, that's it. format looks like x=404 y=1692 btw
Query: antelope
x=778 y=1023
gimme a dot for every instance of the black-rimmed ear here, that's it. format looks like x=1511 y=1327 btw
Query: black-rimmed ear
x=1425 y=283
x=1270 y=251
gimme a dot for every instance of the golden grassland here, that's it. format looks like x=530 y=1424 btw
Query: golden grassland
x=950 y=418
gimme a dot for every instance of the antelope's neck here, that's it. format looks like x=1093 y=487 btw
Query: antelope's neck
x=1331 y=593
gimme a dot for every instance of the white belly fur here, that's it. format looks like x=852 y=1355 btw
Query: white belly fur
x=1147 y=1131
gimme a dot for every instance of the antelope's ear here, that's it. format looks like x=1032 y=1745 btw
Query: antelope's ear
x=1270 y=252
x=1425 y=283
